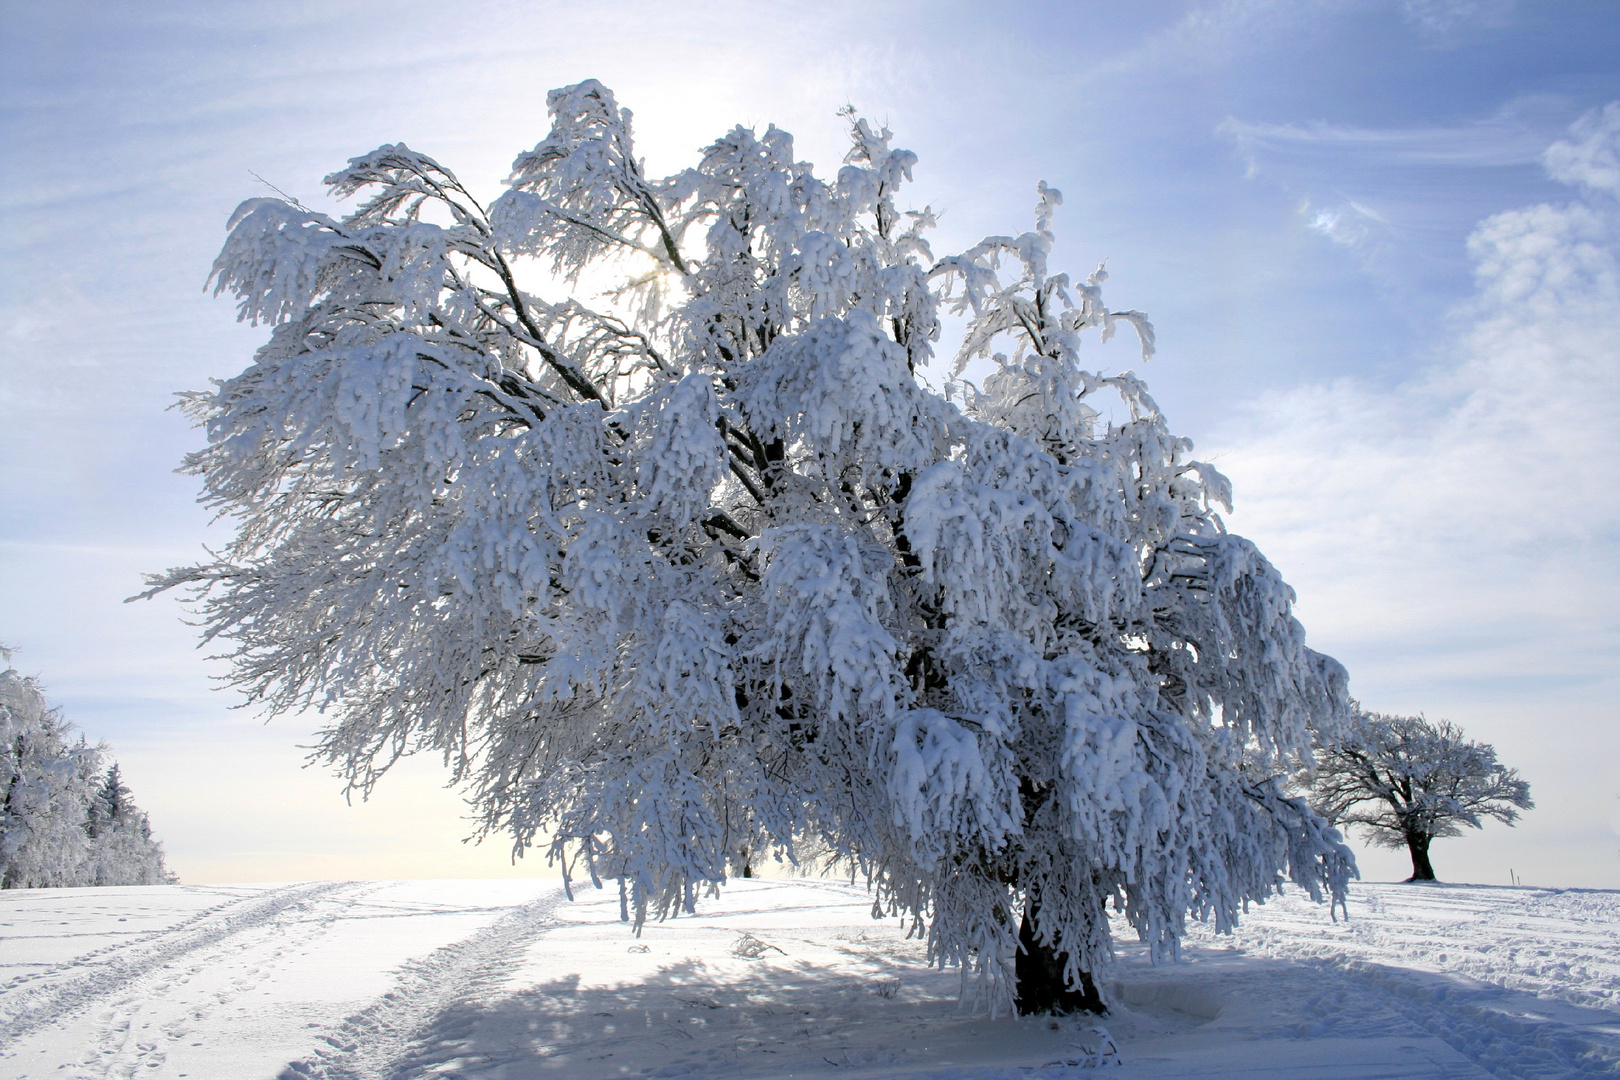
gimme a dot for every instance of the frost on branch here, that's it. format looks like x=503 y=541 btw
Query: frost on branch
x=697 y=573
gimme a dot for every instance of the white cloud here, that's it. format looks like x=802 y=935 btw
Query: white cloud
x=1591 y=160
x=1496 y=454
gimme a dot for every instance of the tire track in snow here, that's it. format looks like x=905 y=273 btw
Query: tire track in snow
x=372 y=1044
x=49 y=1004
x=130 y=943
x=138 y=1027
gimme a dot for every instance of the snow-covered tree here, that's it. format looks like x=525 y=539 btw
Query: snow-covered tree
x=122 y=850
x=47 y=780
x=63 y=821
x=1407 y=780
x=701 y=571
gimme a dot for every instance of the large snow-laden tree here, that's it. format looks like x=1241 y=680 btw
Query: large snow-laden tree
x=63 y=820
x=703 y=574
x=1407 y=781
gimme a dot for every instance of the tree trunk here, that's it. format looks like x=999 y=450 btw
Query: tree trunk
x=1418 y=845
x=1041 y=987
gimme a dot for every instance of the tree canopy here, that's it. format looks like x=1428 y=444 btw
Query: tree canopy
x=702 y=572
x=1407 y=780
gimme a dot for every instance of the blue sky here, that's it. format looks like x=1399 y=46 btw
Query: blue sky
x=1378 y=309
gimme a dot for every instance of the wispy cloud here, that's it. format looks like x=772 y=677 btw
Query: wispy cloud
x=1505 y=139
x=1397 y=199
x=1348 y=223
x=1442 y=18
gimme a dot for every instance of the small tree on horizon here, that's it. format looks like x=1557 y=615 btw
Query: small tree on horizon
x=701 y=571
x=1407 y=781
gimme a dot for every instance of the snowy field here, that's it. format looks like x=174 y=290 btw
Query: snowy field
x=507 y=979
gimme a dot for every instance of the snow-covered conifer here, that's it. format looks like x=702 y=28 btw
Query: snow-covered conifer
x=64 y=821
x=701 y=571
x=122 y=850
x=1407 y=781
x=46 y=781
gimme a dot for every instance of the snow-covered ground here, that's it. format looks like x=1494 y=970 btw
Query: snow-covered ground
x=507 y=979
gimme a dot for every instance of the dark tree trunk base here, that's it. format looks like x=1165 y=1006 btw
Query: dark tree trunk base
x=1422 y=869
x=1041 y=988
